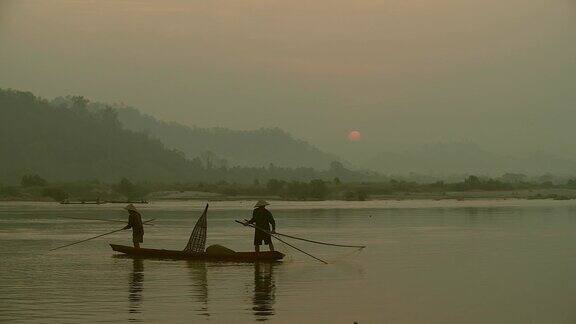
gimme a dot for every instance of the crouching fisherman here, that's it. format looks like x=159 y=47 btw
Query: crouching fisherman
x=135 y=222
x=262 y=219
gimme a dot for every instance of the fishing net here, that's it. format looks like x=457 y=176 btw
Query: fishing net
x=197 y=241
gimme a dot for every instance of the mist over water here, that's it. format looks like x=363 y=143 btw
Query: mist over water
x=499 y=74
x=426 y=261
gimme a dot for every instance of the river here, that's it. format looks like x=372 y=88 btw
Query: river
x=483 y=261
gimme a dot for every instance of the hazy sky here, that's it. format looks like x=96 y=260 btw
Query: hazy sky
x=501 y=73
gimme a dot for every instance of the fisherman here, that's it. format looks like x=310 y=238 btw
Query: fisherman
x=135 y=222
x=262 y=219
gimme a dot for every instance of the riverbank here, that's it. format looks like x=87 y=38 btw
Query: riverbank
x=528 y=194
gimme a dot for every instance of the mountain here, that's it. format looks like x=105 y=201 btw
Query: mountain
x=68 y=139
x=259 y=147
x=71 y=143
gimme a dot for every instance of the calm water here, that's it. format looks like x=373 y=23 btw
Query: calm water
x=426 y=262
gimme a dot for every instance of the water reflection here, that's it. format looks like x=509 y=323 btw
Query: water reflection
x=135 y=289
x=263 y=294
x=264 y=291
x=199 y=284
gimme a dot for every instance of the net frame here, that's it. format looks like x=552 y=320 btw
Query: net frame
x=197 y=241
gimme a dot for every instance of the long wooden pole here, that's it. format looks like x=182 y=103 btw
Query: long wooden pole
x=95 y=237
x=100 y=219
x=318 y=242
x=322 y=243
x=281 y=240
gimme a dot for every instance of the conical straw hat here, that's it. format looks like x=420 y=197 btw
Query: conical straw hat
x=261 y=203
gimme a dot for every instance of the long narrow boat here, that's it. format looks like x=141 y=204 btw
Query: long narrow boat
x=183 y=255
x=196 y=249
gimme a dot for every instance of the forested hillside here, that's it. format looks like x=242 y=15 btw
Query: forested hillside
x=69 y=143
x=64 y=140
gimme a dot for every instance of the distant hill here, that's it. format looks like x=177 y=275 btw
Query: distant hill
x=259 y=147
x=68 y=139
x=70 y=143
x=465 y=158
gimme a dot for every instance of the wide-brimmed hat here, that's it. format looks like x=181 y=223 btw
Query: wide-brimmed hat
x=130 y=207
x=261 y=203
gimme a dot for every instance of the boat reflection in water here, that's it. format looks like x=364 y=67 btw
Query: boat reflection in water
x=135 y=288
x=264 y=290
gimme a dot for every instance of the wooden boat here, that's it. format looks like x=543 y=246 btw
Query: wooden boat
x=183 y=255
x=195 y=249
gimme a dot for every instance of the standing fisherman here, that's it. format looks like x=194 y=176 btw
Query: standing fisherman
x=135 y=222
x=262 y=219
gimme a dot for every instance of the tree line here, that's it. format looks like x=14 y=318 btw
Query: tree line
x=33 y=186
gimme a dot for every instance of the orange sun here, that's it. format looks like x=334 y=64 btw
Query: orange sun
x=354 y=136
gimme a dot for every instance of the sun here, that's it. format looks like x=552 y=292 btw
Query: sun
x=354 y=136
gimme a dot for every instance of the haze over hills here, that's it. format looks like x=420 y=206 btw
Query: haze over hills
x=72 y=139
x=397 y=71
x=465 y=158
x=258 y=147
x=65 y=140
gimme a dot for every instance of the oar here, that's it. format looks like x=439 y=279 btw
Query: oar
x=95 y=237
x=281 y=240
x=102 y=220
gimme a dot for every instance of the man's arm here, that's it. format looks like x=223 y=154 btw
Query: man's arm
x=253 y=219
x=272 y=222
x=130 y=222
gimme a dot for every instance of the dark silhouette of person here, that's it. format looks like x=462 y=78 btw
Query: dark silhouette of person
x=262 y=219
x=264 y=291
x=136 y=286
x=135 y=222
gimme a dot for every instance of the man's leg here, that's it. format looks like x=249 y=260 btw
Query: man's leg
x=257 y=248
x=137 y=245
x=271 y=245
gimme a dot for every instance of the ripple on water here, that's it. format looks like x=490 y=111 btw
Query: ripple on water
x=453 y=262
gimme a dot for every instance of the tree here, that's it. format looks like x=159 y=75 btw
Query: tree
x=336 y=166
x=275 y=186
x=514 y=177
x=55 y=193
x=298 y=190
x=32 y=180
x=361 y=195
x=472 y=182
x=318 y=189
x=79 y=102
x=349 y=195
x=127 y=189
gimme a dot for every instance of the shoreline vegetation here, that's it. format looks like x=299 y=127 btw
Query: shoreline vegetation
x=34 y=188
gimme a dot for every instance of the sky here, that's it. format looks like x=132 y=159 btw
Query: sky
x=499 y=73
